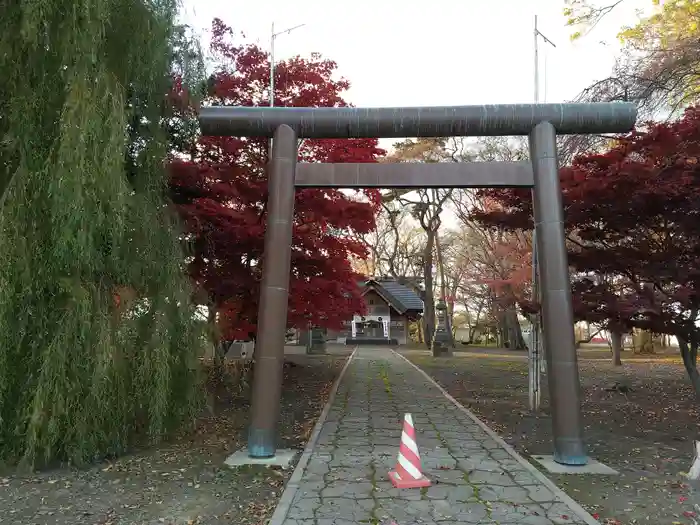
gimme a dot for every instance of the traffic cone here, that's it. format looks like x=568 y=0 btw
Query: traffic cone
x=408 y=474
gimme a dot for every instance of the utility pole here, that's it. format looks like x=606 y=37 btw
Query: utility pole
x=536 y=364
x=273 y=36
x=537 y=35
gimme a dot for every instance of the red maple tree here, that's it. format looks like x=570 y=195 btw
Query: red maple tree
x=220 y=189
x=633 y=232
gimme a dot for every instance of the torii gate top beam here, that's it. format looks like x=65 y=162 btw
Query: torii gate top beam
x=446 y=121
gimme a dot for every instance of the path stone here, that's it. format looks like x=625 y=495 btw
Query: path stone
x=474 y=480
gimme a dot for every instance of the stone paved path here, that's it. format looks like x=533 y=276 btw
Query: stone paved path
x=475 y=480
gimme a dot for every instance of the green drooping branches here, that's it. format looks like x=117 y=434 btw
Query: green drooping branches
x=97 y=340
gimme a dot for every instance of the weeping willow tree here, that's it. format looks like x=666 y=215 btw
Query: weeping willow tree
x=98 y=345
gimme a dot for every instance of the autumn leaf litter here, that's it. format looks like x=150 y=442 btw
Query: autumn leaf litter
x=645 y=434
x=184 y=482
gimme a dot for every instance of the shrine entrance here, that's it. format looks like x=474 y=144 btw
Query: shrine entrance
x=540 y=122
x=376 y=329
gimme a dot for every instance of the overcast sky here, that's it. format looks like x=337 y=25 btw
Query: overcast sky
x=442 y=52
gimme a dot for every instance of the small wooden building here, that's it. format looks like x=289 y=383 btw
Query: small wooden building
x=391 y=306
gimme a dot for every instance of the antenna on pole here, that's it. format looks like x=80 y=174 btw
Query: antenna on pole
x=535 y=362
x=537 y=34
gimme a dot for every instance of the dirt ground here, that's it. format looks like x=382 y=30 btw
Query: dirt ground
x=186 y=481
x=646 y=434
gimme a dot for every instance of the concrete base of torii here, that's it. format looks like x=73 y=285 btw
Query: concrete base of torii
x=283 y=459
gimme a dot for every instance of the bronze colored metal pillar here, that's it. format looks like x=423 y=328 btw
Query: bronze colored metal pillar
x=274 y=296
x=557 y=310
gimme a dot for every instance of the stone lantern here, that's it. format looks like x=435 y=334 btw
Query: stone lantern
x=441 y=339
x=317 y=341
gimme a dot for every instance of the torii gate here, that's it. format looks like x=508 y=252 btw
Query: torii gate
x=541 y=122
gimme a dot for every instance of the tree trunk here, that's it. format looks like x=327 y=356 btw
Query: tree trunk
x=508 y=324
x=689 y=354
x=429 y=301
x=474 y=323
x=451 y=303
x=443 y=290
x=616 y=346
x=497 y=313
x=644 y=342
x=513 y=332
x=211 y=324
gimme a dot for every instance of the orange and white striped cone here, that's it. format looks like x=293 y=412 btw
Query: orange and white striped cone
x=408 y=474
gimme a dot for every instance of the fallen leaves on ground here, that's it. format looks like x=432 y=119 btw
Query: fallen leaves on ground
x=184 y=481
x=646 y=433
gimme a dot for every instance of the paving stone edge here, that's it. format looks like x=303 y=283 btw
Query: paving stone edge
x=285 y=502
x=563 y=496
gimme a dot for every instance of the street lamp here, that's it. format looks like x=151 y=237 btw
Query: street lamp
x=274 y=35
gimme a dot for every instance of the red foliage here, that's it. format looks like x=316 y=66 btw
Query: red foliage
x=633 y=230
x=503 y=260
x=221 y=192
x=511 y=266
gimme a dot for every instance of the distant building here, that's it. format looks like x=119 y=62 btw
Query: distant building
x=478 y=335
x=391 y=306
